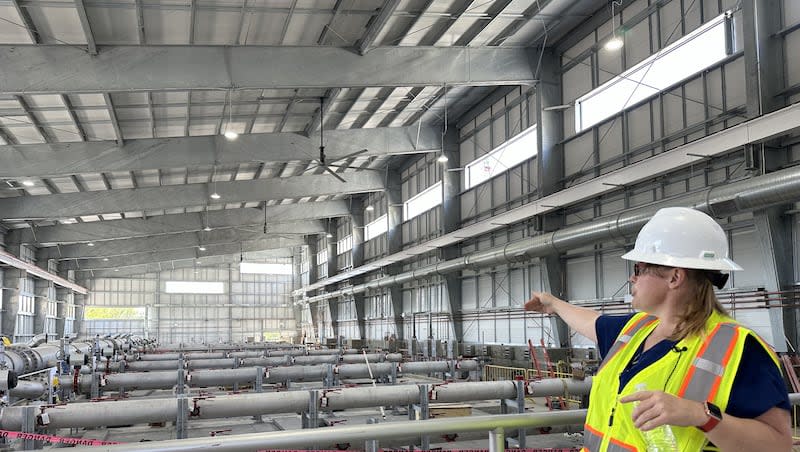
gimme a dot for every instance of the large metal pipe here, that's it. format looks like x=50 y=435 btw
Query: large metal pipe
x=719 y=201
x=28 y=389
x=186 y=356
x=290 y=439
x=371 y=357
x=127 y=412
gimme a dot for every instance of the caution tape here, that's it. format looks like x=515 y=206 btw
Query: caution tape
x=54 y=439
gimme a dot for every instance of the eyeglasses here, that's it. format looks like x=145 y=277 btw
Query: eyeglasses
x=640 y=268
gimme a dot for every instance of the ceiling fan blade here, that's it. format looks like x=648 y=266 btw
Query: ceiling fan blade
x=333 y=173
x=352 y=154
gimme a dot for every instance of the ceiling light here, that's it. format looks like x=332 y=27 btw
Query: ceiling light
x=28 y=183
x=329 y=235
x=105 y=259
x=614 y=43
x=442 y=158
x=198 y=262
x=370 y=208
x=116 y=269
x=231 y=135
x=215 y=195
x=90 y=244
x=207 y=228
x=201 y=248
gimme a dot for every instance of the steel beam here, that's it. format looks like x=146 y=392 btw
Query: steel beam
x=167 y=242
x=190 y=254
x=58 y=159
x=86 y=25
x=66 y=69
x=376 y=25
x=68 y=205
x=282 y=219
x=192 y=262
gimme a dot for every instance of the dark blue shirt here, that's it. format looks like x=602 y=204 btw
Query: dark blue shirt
x=758 y=385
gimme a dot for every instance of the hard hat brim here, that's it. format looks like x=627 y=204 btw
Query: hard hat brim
x=721 y=264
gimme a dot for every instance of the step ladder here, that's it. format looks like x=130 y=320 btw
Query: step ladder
x=791 y=362
x=544 y=369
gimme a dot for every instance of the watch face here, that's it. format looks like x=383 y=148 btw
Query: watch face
x=713 y=410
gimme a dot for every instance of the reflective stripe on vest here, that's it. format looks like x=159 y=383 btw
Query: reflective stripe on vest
x=626 y=337
x=705 y=374
x=593 y=439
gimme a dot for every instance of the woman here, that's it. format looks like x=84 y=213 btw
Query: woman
x=715 y=382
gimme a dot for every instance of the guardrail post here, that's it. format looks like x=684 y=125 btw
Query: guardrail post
x=371 y=445
x=421 y=412
x=497 y=440
x=235 y=366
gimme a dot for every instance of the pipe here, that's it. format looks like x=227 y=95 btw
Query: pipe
x=186 y=356
x=127 y=412
x=720 y=201
x=371 y=357
x=28 y=389
x=290 y=439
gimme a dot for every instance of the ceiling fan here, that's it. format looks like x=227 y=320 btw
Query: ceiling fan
x=321 y=160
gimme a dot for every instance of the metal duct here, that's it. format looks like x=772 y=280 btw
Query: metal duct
x=127 y=412
x=774 y=188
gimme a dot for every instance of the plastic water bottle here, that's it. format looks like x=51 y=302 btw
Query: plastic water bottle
x=659 y=439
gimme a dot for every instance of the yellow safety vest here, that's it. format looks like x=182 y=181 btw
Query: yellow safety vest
x=704 y=371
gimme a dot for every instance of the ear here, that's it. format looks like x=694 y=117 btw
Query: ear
x=677 y=277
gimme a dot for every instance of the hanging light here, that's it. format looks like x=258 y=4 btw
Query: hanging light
x=616 y=42
x=28 y=183
x=442 y=158
x=90 y=244
x=230 y=134
x=207 y=229
x=201 y=248
x=105 y=259
x=329 y=235
x=214 y=195
x=370 y=208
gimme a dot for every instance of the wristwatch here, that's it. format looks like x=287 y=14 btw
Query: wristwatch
x=714 y=416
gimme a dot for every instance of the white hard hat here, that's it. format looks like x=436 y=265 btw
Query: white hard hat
x=685 y=238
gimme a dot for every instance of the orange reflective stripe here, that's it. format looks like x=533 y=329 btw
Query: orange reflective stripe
x=616 y=445
x=592 y=439
x=731 y=345
x=626 y=336
x=704 y=376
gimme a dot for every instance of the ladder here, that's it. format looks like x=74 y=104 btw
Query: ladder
x=791 y=363
x=545 y=371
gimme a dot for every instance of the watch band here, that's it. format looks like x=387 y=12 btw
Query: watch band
x=714 y=417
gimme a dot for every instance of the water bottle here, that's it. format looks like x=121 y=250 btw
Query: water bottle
x=659 y=439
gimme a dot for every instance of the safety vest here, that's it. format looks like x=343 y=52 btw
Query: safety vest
x=697 y=372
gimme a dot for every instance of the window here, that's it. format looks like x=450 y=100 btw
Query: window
x=508 y=155
x=377 y=227
x=322 y=256
x=195 y=287
x=423 y=201
x=344 y=245
x=265 y=269
x=689 y=55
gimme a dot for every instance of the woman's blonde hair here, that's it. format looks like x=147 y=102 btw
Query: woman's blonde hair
x=698 y=308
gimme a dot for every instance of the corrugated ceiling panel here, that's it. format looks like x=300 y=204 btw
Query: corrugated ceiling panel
x=10 y=33
x=113 y=25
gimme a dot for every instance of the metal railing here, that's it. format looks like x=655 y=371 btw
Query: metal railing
x=371 y=434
